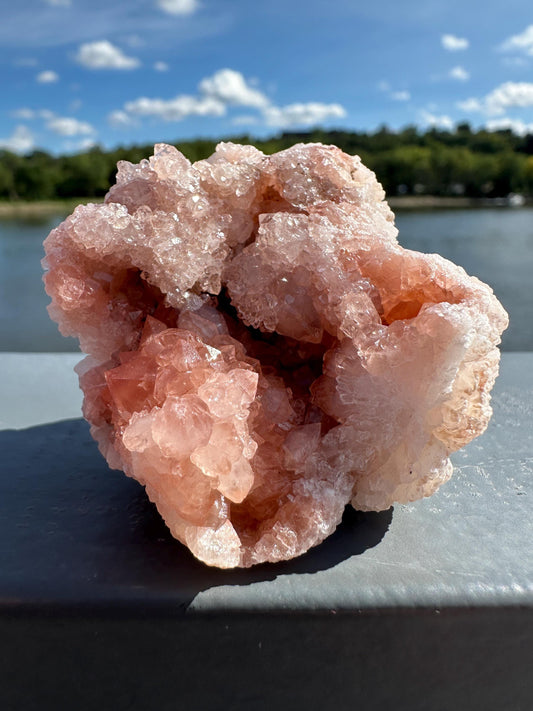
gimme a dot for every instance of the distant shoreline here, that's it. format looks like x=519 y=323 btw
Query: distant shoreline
x=45 y=208
x=42 y=208
x=417 y=202
x=429 y=202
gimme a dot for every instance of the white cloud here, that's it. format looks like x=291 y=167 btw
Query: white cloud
x=26 y=62
x=459 y=73
x=515 y=62
x=223 y=89
x=135 y=41
x=453 y=43
x=400 y=95
x=470 y=105
x=104 y=55
x=178 y=7
x=24 y=114
x=29 y=114
x=509 y=95
x=86 y=143
x=60 y=125
x=245 y=120
x=79 y=146
x=58 y=3
x=230 y=87
x=442 y=121
x=47 y=77
x=176 y=109
x=519 y=127
x=67 y=126
x=161 y=67
x=28 y=26
x=385 y=87
x=120 y=119
x=522 y=42
x=302 y=114
x=20 y=141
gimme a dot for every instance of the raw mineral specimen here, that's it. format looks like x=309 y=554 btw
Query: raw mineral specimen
x=261 y=351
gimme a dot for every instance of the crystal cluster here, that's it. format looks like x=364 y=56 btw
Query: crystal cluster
x=261 y=351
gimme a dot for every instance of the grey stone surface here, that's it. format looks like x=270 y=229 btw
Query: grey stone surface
x=75 y=532
x=425 y=607
x=37 y=388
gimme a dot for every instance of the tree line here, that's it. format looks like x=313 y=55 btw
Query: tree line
x=473 y=163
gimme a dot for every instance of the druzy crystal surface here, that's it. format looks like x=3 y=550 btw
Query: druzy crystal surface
x=262 y=352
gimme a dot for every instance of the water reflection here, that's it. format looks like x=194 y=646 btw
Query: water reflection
x=494 y=244
x=24 y=321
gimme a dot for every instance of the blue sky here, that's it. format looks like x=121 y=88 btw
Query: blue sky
x=81 y=72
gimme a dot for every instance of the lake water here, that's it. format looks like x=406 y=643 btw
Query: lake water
x=495 y=245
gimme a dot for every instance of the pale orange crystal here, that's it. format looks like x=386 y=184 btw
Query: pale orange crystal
x=261 y=349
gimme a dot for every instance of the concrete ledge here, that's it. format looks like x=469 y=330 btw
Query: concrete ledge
x=425 y=606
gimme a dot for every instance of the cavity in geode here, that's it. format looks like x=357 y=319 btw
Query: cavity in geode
x=261 y=351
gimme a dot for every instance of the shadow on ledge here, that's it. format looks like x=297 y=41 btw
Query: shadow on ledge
x=75 y=532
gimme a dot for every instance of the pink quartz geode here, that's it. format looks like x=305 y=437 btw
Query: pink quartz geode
x=261 y=351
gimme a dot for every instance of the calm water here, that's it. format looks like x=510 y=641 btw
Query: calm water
x=495 y=245
x=24 y=321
